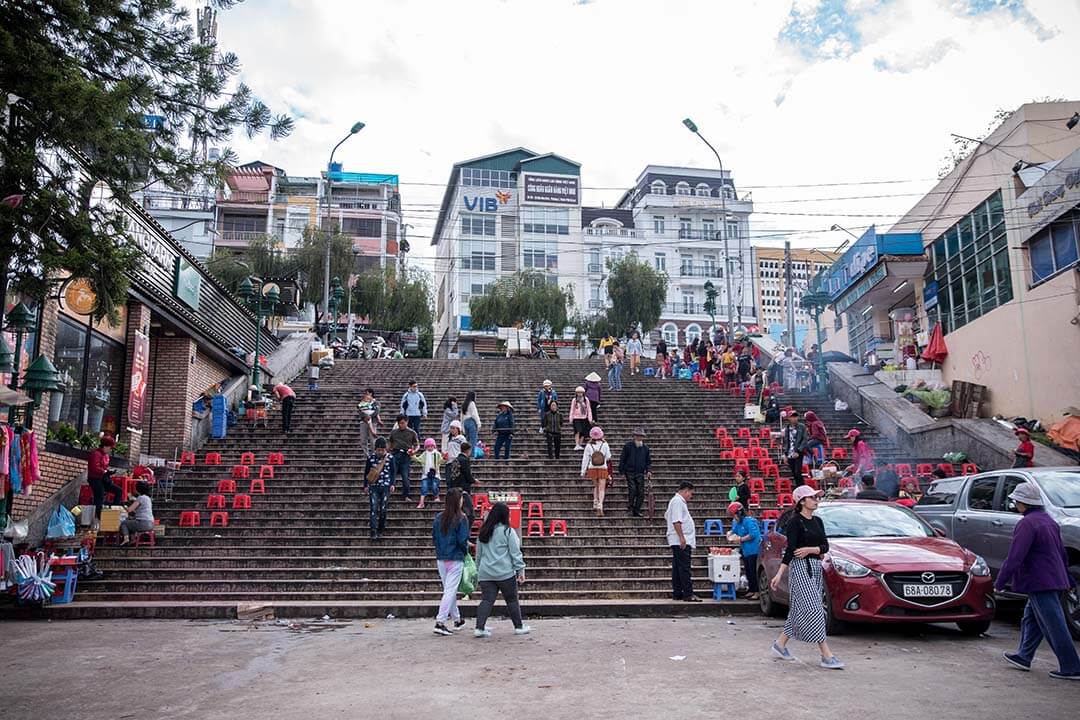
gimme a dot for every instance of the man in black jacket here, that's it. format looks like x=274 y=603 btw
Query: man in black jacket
x=794 y=445
x=869 y=492
x=635 y=464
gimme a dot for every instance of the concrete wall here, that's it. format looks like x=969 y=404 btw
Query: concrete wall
x=986 y=443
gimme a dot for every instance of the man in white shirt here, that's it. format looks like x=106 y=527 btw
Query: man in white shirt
x=681 y=538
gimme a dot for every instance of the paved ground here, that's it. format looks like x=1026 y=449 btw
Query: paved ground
x=568 y=668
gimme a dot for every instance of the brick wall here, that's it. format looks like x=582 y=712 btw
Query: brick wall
x=56 y=472
x=179 y=374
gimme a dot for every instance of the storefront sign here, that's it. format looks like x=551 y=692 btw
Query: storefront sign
x=137 y=392
x=188 y=283
x=553 y=189
x=1058 y=191
x=489 y=204
x=929 y=295
x=79 y=297
x=153 y=248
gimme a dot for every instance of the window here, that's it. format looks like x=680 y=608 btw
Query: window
x=860 y=330
x=686 y=264
x=682 y=188
x=970 y=263
x=1007 y=486
x=670 y=332
x=658 y=224
x=92 y=367
x=689 y=303
x=1054 y=248
x=684 y=228
x=479 y=260
x=981 y=496
x=478 y=225
x=693 y=332
x=661 y=261
x=480 y=288
x=708 y=229
x=729 y=193
x=702 y=190
x=733 y=229
x=362 y=227
x=540 y=258
x=488 y=178
x=658 y=188
x=545 y=221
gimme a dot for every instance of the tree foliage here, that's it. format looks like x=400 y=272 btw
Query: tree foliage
x=526 y=297
x=637 y=293
x=77 y=82
x=394 y=303
x=309 y=259
x=264 y=257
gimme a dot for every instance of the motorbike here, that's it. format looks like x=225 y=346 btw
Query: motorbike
x=339 y=349
x=356 y=349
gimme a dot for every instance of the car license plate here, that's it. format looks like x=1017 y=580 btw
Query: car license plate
x=928 y=591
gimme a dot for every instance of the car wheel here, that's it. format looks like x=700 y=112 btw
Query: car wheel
x=973 y=628
x=769 y=607
x=1070 y=603
x=834 y=626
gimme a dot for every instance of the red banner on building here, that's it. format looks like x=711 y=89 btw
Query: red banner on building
x=137 y=393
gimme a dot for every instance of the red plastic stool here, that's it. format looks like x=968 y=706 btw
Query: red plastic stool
x=719 y=433
x=903 y=469
x=753 y=442
x=744 y=433
x=784 y=500
x=275 y=458
x=741 y=453
x=811 y=483
x=212 y=458
x=839 y=454
x=481 y=504
x=948 y=468
x=190 y=519
x=558 y=527
x=257 y=486
x=247 y=458
x=846 y=482
x=755 y=500
x=727 y=454
x=226 y=486
x=771 y=471
x=219 y=518
x=241 y=502
x=727 y=443
x=534 y=509
x=969 y=469
x=756 y=484
x=215 y=502
x=240 y=471
x=476 y=525
x=147 y=536
x=266 y=471
x=743 y=465
x=924 y=469
x=783 y=485
x=535 y=528
x=770 y=514
x=764 y=433
x=187 y=457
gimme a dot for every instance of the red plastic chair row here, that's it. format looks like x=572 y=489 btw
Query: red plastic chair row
x=535 y=528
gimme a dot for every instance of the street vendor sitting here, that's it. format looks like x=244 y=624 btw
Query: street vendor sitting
x=140 y=513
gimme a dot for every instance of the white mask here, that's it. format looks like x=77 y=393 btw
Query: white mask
x=639 y=443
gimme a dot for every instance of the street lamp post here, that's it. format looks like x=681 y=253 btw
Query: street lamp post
x=40 y=376
x=357 y=127
x=348 y=312
x=336 y=297
x=254 y=301
x=723 y=226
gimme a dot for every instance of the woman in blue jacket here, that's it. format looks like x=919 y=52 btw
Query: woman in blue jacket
x=450 y=532
x=504 y=429
x=746 y=532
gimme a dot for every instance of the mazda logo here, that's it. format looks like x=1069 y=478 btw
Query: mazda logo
x=928 y=577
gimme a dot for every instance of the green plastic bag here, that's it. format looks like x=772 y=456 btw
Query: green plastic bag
x=467 y=584
x=733 y=495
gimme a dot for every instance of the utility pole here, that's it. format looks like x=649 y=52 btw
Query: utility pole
x=789 y=294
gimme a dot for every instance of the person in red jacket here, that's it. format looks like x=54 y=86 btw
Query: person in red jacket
x=1025 y=451
x=98 y=474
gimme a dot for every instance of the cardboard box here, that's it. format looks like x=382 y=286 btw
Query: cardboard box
x=110 y=518
x=318 y=355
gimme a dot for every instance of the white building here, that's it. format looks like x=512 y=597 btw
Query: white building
x=675 y=216
x=512 y=210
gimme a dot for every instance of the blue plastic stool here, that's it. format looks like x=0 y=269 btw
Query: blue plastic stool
x=723 y=591
x=713 y=527
x=650 y=372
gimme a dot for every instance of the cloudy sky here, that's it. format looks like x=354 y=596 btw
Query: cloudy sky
x=828 y=111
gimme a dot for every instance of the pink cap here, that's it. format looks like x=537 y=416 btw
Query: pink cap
x=596 y=433
x=429 y=443
x=804 y=491
x=852 y=433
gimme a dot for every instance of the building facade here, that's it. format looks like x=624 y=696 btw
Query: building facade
x=771 y=286
x=676 y=215
x=999 y=267
x=501 y=213
x=259 y=199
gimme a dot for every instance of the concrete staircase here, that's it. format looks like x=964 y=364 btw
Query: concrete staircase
x=303 y=547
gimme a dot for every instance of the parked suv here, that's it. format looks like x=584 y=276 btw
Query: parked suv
x=976 y=512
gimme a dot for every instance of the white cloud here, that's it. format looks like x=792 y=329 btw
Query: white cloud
x=607 y=83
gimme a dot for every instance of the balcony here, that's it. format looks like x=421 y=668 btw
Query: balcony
x=693 y=202
x=595 y=304
x=701 y=271
x=595 y=268
x=240 y=238
x=186 y=202
x=610 y=232
x=246 y=197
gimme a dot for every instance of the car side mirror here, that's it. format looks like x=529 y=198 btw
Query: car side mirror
x=939 y=532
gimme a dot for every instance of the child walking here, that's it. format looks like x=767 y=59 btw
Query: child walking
x=431 y=461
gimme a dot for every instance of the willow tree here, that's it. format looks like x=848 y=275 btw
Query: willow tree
x=525 y=298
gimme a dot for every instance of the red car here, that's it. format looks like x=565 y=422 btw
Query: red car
x=885 y=564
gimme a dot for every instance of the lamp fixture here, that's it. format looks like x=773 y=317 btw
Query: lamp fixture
x=868 y=309
x=1073 y=121
x=900 y=287
x=1018 y=167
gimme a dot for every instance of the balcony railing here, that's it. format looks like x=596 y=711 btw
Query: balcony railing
x=260 y=197
x=610 y=231
x=595 y=304
x=595 y=268
x=701 y=271
x=159 y=200
x=241 y=237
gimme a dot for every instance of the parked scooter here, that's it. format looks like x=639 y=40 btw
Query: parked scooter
x=356 y=349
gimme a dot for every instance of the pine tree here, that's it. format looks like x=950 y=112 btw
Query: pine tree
x=98 y=100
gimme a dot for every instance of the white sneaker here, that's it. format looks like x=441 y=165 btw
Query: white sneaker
x=523 y=630
x=579 y=447
x=481 y=633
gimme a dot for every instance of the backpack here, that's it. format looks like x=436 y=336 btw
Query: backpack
x=597 y=459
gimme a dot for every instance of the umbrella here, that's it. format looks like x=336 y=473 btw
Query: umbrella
x=936 y=351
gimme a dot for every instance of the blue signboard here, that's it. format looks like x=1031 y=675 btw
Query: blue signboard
x=865 y=254
x=929 y=295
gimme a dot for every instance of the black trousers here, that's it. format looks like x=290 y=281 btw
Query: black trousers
x=286 y=413
x=751 y=572
x=99 y=486
x=681 y=585
x=489 y=590
x=554 y=445
x=795 y=464
x=635 y=491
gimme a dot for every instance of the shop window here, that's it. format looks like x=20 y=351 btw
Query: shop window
x=1054 y=248
x=92 y=367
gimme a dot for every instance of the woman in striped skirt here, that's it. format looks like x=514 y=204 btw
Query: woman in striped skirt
x=806 y=545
